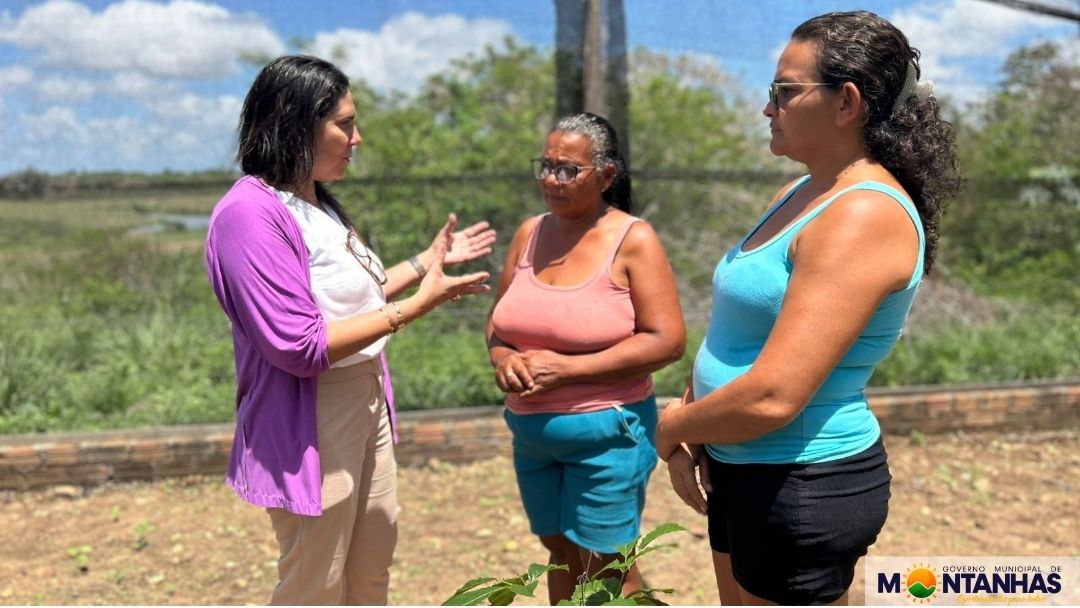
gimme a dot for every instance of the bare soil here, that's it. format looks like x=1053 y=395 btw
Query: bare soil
x=191 y=541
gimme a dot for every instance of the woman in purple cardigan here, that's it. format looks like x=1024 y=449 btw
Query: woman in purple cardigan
x=311 y=308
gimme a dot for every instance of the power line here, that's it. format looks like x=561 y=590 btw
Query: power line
x=1042 y=9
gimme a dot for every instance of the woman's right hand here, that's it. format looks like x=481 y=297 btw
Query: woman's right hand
x=511 y=373
x=684 y=467
x=438 y=287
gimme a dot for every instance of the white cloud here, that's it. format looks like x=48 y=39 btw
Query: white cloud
x=221 y=112
x=966 y=28
x=954 y=33
x=407 y=49
x=137 y=85
x=70 y=90
x=183 y=38
x=193 y=132
x=14 y=77
x=55 y=123
x=1070 y=50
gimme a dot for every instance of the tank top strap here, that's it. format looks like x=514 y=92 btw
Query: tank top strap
x=526 y=260
x=892 y=193
x=617 y=243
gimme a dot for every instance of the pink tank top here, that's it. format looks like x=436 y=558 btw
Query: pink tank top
x=585 y=318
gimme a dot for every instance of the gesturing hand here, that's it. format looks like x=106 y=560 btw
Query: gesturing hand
x=438 y=287
x=469 y=244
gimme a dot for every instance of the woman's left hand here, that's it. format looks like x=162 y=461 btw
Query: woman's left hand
x=689 y=472
x=468 y=244
x=547 y=369
x=665 y=447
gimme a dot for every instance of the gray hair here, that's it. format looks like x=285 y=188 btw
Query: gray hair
x=605 y=153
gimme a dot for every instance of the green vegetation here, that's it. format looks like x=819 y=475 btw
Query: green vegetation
x=102 y=326
x=81 y=555
x=601 y=589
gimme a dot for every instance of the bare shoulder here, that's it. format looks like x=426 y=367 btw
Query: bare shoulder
x=521 y=238
x=862 y=229
x=868 y=213
x=525 y=229
x=642 y=241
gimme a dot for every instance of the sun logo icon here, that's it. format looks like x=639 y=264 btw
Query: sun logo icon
x=920 y=583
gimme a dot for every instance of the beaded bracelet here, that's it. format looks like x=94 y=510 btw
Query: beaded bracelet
x=400 y=317
x=389 y=321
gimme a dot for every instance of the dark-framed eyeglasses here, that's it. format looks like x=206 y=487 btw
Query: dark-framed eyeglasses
x=564 y=174
x=363 y=255
x=774 y=88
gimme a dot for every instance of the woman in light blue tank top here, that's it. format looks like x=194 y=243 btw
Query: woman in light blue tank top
x=775 y=418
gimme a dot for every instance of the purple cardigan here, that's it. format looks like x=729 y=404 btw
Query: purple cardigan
x=258 y=267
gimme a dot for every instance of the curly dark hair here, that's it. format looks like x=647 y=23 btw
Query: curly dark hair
x=289 y=98
x=913 y=142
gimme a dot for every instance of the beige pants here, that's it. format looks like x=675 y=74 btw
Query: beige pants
x=344 y=555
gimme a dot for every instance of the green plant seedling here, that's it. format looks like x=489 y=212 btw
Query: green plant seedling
x=142 y=528
x=592 y=591
x=81 y=555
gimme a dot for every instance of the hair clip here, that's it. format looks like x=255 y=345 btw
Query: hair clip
x=921 y=89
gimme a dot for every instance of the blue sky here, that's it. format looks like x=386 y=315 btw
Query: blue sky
x=141 y=85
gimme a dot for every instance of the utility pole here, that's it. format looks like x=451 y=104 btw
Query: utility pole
x=591 y=68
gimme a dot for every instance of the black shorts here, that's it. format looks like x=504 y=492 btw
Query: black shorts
x=795 y=531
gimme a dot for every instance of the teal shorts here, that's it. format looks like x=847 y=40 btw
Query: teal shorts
x=584 y=475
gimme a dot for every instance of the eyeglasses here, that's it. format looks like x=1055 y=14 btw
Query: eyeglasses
x=564 y=174
x=363 y=255
x=774 y=88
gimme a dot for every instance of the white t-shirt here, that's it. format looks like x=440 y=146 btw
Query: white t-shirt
x=341 y=286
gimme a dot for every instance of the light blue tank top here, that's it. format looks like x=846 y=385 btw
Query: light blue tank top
x=748 y=289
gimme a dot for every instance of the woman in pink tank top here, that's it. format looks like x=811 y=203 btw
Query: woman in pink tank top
x=585 y=311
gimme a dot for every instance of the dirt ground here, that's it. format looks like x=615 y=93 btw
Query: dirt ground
x=191 y=541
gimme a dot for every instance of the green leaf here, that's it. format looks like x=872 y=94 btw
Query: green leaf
x=474 y=597
x=645 y=597
x=476 y=582
x=659 y=531
x=526 y=590
x=628 y=548
x=613 y=586
x=648 y=600
x=618 y=564
x=651 y=591
x=639 y=554
x=586 y=594
x=503 y=596
x=538 y=570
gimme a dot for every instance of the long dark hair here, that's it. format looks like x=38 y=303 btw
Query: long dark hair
x=605 y=145
x=911 y=141
x=289 y=98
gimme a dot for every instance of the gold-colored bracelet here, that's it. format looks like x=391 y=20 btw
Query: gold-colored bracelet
x=389 y=321
x=400 y=317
